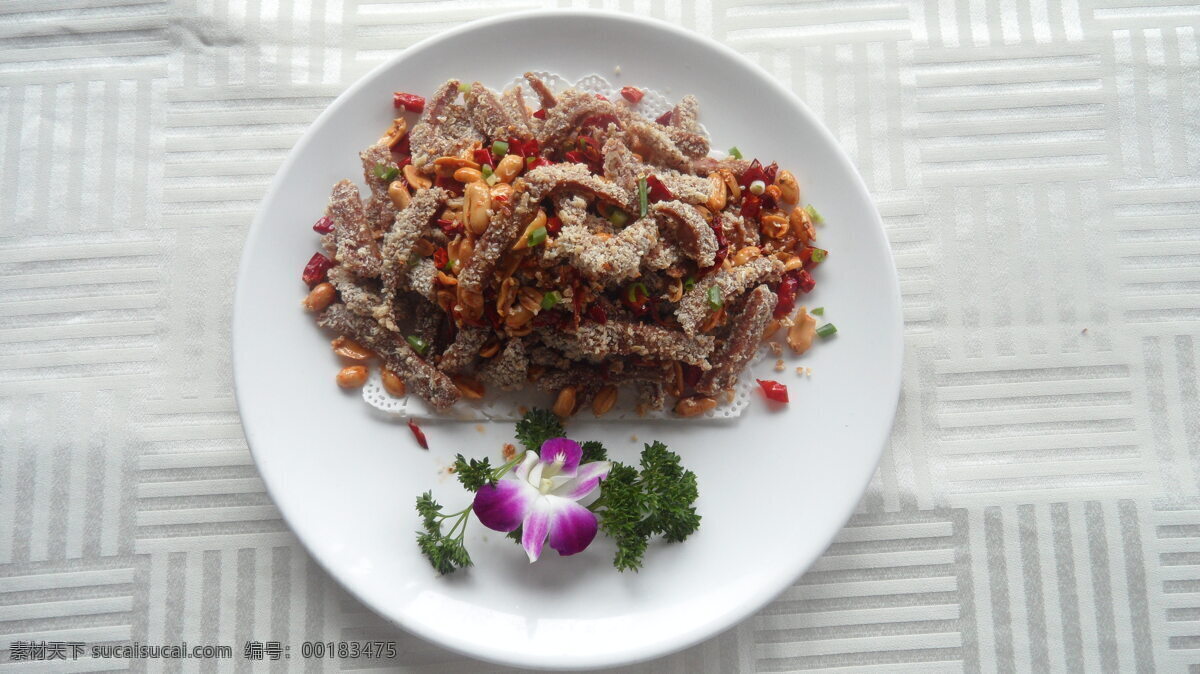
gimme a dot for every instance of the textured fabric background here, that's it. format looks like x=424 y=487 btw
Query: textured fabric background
x=1037 y=165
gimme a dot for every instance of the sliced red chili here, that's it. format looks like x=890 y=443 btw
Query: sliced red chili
x=440 y=258
x=751 y=206
x=632 y=94
x=410 y=102
x=656 y=191
x=602 y=97
x=450 y=227
x=483 y=157
x=787 y=295
x=449 y=184
x=540 y=114
x=773 y=390
x=807 y=282
x=575 y=157
x=316 y=269
x=539 y=161
x=598 y=314
x=418 y=434
x=553 y=225
x=665 y=118
x=324 y=225
x=404 y=147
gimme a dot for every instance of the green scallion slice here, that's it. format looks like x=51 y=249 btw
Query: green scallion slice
x=819 y=311
x=551 y=299
x=536 y=237
x=385 y=173
x=419 y=345
x=643 y=196
x=618 y=217
x=813 y=214
x=499 y=148
x=735 y=153
x=827 y=330
x=689 y=283
x=464 y=87
x=486 y=171
x=715 y=300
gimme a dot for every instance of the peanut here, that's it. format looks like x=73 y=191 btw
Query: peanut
x=717 y=193
x=320 y=297
x=509 y=167
x=455 y=163
x=538 y=222
x=399 y=195
x=446 y=279
x=352 y=377
x=489 y=349
x=774 y=225
x=788 y=186
x=792 y=264
x=745 y=255
x=531 y=299
x=469 y=388
x=518 y=317
x=735 y=190
x=478 y=207
x=506 y=296
x=502 y=192
x=424 y=247
x=348 y=348
x=468 y=175
x=675 y=291
x=604 y=400
x=802 y=225
x=690 y=407
x=771 y=329
x=564 y=404
x=415 y=179
x=675 y=385
x=393 y=384
x=395 y=132
x=774 y=192
x=800 y=335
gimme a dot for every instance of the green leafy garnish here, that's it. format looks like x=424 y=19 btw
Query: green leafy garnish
x=551 y=299
x=537 y=237
x=689 y=283
x=464 y=87
x=735 y=153
x=445 y=551
x=473 y=474
x=819 y=311
x=593 y=450
x=538 y=426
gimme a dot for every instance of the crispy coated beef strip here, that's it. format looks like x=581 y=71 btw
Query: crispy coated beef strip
x=693 y=308
x=543 y=92
x=545 y=181
x=610 y=260
x=508 y=369
x=739 y=232
x=685 y=131
x=625 y=338
x=427 y=319
x=623 y=167
x=548 y=357
x=503 y=230
x=420 y=279
x=410 y=224
x=741 y=344
x=421 y=377
x=514 y=104
x=491 y=119
x=356 y=294
x=462 y=353
x=444 y=129
x=354 y=244
x=691 y=231
x=380 y=209
x=563 y=120
x=706 y=165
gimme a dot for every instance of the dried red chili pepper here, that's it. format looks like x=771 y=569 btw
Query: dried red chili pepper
x=540 y=114
x=418 y=434
x=404 y=147
x=602 y=97
x=410 y=102
x=450 y=227
x=598 y=314
x=665 y=118
x=449 y=184
x=722 y=246
x=539 y=161
x=751 y=205
x=553 y=225
x=316 y=269
x=773 y=390
x=807 y=282
x=599 y=121
x=632 y=94
x=787 y=295
x=656 y=191
x=324 y=225
x=691 y=375
x=440 y=258
x=575 y=157
x=755 y=172
x=483 y=157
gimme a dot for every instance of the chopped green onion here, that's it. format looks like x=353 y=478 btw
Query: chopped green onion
x=758 y=187
x=819 y=311
x=551 y=299
x=618 y=217
x=537 y=236
x=492 y=179
x=689 y=283
x=643 y=196
x=637 y=293
x=735 y=153
x=715 y=301
x=486 y=171
x=818 y=255
x=463 y=87
x=826 y=330
x=530 y=160
x=385 y=173
x=499 y=148
x=813 y=214
x=419 y=345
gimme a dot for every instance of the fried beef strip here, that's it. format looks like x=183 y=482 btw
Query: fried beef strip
x=693 y=307
x=543 y=92
x=354 y=243
x=445 y=128
x=508 y=369
x=422 y=378
x=410 y=224
x=505 y=226
x=691 y=231
x=743 y=341
x=491 y=118
x=617 y=337
x=379 y=208
x=545 y=181
x=461 y=354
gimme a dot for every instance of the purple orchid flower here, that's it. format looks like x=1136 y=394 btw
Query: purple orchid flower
x=540 y=495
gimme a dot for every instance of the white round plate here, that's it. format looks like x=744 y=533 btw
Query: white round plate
x=775 y=485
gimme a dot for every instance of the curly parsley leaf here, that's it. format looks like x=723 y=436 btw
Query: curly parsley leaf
x=473 y=474
x=593 y=451
x=538 y=426
x=445 y=552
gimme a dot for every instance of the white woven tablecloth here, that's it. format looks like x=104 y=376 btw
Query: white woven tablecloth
x=1037 y=165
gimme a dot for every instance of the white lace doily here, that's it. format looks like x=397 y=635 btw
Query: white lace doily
x=508 y=406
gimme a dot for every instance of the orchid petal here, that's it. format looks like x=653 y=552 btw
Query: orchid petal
x=534 y=529
x=522 y=469
x=585 y=481
x=505 y=505
x=563 y=451
x=572 y=526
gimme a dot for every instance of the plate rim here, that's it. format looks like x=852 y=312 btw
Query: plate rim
x=720 y=620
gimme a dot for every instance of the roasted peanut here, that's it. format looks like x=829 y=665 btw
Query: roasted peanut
x=352 y=377
x=468 y=175
x=489 y=349
x=395 y=132
x=477 y=210
x=788 y=186
x=424 y=247
x=455 y=163
x=536 y=223
x=519 y=332
x=713 y=320
x=690 y=407
x=393 y=384
x=531 y=299
x=564 y=404
x=518 y=317
x=469 y=388
x=446 y=279
x=509 y=167
x=794 y=262
x=774 y=192
x=320 y=297
x=502 y=192
x=745 y=255
x=506 y=296
x=704 y=213
x=604 y=400
x=802 y=225
x=800 y=335
x=675 y=386
x=735 y=190
x=348 y=348
x=445 y=300
x=675 y=290
x=774 y=225
x=717 y=193
x=399 y=195
x=415 y=179
x=771 y=329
